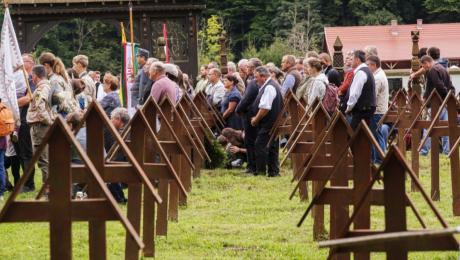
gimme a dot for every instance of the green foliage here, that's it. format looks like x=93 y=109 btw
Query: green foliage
x=254 y=25
x=98 y=40
x=209 y=47
x=439 y=6
x=272 y=53
x=216 y=153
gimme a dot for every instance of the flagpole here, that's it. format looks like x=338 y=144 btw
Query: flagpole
x=131 y=27
x=26 y=79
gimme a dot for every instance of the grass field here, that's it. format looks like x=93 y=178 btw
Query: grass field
x=229 y=216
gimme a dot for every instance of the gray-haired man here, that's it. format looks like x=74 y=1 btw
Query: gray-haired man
x=267 y=105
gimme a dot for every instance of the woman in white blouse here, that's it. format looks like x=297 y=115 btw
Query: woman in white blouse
x=319 y=81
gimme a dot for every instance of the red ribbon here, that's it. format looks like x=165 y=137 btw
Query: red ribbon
x=165 y=36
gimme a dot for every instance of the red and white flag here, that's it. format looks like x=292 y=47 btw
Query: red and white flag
x=10 y=61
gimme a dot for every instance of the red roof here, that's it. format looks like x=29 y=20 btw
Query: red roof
x=445 y=36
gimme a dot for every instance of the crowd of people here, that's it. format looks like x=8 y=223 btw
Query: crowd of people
x=249 y=97
x=52 y=90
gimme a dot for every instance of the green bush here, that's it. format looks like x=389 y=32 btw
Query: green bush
x=216 y=153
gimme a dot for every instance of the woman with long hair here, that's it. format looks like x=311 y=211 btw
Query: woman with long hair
x=62 y=98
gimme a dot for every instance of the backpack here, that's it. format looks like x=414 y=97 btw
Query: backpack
x=7 y=122
x=331 y=98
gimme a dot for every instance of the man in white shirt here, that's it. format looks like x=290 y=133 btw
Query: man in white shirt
x=267 y=106
x=361 y=103
x=215 y=90
x=381 y=101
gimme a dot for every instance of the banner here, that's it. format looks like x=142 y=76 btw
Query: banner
x=129 y=73
x=10 y=61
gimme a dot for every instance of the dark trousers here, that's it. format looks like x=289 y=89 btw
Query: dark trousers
x=366 y=115
x=266 y=157
x=23 y=148
x=14 y=163
x=250 y=134
x=117 y=192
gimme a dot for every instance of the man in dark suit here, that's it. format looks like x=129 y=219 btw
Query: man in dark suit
x=266 y=107
x=243 y=109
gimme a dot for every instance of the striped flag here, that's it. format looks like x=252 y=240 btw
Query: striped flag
x=10 y=61
x=129 y=70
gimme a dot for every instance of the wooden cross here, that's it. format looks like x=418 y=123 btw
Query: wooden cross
x=303 y=144
x=201 y=127
x=173 y=145
x=435 y=102
x=183 y=163
x=129 y=172
x=212 y=116
x=394 y=168
x=60 y=210
x=437 y=129
x=146 y=146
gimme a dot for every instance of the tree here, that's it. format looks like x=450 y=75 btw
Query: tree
x=98 y=40
x=209 y=40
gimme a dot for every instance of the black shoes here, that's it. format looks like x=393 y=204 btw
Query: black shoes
x=27 y=189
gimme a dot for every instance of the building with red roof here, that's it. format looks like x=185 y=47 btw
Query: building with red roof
x=394 y=44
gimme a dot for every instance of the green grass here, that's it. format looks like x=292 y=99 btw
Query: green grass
x=229 y=216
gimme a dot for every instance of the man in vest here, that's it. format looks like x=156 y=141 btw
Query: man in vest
x=244 y=110
x=361 y=103
x=268 y=105
x=293 y=77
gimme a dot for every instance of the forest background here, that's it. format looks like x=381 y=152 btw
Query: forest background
x=255 y=28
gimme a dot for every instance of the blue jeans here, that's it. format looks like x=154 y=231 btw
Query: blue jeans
x=381 y=135
x=2 y=172
x=444 y=139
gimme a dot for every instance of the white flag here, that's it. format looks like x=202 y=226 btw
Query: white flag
x=10 y=60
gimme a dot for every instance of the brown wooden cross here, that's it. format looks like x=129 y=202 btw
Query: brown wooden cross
x=303 y=144
x=183 y=163
x=129 y=172
x=211 y=115
x=60 y=210
x=394 y=168
x=201 y=127
x=146 y=146
x=173 y=143
x=437 y=129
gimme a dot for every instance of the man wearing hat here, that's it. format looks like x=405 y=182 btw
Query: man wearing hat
x=142 y=56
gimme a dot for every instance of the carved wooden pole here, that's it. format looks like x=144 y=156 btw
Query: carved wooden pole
x=223 y=52
x=416 y=84
x=338 y=61
x=161 y=49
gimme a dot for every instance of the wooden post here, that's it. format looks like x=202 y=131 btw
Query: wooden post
x=415 y=107
x=454 y=134
x=416 y=83
x=338 y=60
x=161 y=49
x=223 y=53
